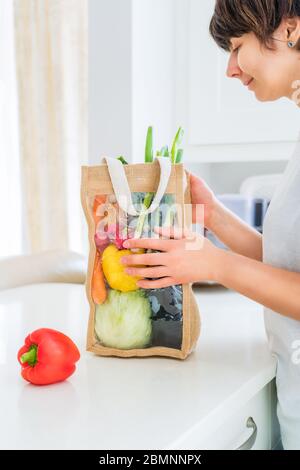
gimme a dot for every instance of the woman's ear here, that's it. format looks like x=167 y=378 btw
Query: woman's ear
x=292 y=29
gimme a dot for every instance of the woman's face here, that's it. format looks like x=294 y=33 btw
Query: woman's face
x=272 y=74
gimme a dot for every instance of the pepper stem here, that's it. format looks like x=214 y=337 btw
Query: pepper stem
x=30 y=356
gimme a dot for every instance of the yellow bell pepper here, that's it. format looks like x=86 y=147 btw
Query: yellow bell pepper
x=114 y=270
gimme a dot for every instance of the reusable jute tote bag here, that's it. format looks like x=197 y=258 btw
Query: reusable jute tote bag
x=121 y=201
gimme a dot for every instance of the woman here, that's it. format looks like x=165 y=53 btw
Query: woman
x=262 y=37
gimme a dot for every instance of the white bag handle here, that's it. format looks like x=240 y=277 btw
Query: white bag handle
x=121 y=186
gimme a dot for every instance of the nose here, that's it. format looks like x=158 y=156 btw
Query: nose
x=233 y=69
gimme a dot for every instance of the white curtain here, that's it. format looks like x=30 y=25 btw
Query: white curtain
x=10 y=181
x=50 y=39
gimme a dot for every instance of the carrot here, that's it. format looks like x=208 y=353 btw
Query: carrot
x=99 y=293
x=97 y=202
x=111 y=212
x=98 y=286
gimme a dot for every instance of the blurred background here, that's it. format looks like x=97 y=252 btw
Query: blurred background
x=80 y=79
x=43 y=124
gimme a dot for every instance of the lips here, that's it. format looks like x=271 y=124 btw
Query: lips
x=249 y=81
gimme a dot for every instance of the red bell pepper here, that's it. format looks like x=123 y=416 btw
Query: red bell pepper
x=48 y=356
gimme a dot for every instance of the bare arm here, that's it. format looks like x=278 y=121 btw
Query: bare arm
x=235 y=233
x=275 y=288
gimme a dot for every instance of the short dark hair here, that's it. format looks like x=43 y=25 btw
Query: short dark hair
x=233 y=18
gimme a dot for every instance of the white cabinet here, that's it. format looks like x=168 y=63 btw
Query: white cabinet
x=253 y=427
x=224 y=120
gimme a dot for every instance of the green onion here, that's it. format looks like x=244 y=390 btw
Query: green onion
x=179 y=156
x=176 y=157
x=165 y=151
x=141 y=220
x=149 y=196
x=177 y=141
x=122 y=160
x=149 y=146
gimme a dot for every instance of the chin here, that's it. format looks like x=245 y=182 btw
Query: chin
x=267 y=97
x=266 y=100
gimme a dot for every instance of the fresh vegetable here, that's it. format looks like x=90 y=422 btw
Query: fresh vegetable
x=116 y=234
x=105 y=210
x=99 y=293
x=124 y=320
x=166 y=308
x=114 y=270
x=176 y=157
x=48 y=356
x=170 y=211
x=129 y=317
x=98 y=287
x=177 y=141
x=149 y=146
x=141 y=220
x=122 y=160
x=163 y=152
x=179 y=156
x=98 y=201
x=149 y=196
x=101 y=241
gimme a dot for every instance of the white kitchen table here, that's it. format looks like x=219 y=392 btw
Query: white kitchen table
x=129 y=403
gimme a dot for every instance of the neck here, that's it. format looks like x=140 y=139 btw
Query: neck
x=294 y=88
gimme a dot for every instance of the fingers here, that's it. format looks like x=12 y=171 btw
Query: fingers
x=147 y=243
x=157 y=243
x=157 y=284
x=148 y=259
x=158 y=271
x=174 y=232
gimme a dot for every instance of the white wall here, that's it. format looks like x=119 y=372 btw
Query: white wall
x=131 y=76
x=153 y=73
x=138 y=77
x=110 y=79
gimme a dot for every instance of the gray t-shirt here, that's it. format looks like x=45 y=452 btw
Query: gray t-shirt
x=281 y=248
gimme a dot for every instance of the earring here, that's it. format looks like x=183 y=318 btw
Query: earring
x=291 y=44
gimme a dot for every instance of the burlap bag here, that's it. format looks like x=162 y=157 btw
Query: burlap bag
x=171 y=325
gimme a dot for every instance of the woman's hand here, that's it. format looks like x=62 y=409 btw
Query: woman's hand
x=202 y=194
x=185 y=257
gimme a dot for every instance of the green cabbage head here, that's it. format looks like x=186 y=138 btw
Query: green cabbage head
x=123 y=321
